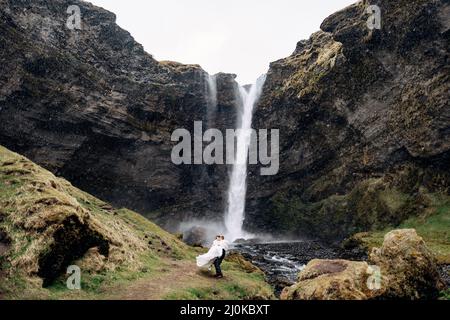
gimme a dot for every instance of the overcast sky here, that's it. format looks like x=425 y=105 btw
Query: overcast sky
x=235 y=36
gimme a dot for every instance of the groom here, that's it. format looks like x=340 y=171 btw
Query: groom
x=224 y=244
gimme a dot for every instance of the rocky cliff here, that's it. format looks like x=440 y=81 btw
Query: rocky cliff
x=364 y=123
x=90 y=105
x=363 y=116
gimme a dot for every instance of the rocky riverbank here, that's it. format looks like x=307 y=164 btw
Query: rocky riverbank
x=402 y=268
x=282 y=261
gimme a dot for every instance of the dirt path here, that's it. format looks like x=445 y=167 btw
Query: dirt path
x=176 y=276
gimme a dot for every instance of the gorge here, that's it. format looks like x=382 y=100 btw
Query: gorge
x=363 y=119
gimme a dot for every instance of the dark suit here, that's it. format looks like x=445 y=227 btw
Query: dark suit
x=218 y=262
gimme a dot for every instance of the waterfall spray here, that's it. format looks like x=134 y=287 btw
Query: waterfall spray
x=235 y=214
x=211 y=82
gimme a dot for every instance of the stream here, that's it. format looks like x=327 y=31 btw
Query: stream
x=282 y=261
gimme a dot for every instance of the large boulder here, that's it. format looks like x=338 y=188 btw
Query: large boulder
x=408 y=268
x=195 y=236
x=330 y=280
x=243 y=263
x=403 y=268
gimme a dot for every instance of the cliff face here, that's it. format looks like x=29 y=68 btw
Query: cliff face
x=92 y=106
x=363 y=117
x=364 y=123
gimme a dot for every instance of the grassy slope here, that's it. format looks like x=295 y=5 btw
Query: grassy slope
x=433 y=226
x=144 y=261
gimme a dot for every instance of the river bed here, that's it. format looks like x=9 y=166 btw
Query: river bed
x=282 y=261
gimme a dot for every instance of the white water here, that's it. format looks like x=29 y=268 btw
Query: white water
x=235 y=214
x=211 y=81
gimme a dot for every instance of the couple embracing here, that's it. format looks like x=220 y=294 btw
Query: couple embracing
x=215 y=255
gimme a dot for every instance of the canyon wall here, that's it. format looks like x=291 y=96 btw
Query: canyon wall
x=364 y=123
x=92 y=106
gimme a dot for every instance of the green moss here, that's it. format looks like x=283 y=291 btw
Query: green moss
x=373 y=204
x=445 y=295
x=433 y=225
x=393 y=199
x=287 y=211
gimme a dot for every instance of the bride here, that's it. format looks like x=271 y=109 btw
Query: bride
x=214 y=252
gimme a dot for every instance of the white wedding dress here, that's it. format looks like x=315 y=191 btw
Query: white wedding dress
x=208 y=258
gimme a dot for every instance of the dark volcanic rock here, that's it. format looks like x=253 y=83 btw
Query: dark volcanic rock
x=92 y=106
x=364 y=123
x=195 y=236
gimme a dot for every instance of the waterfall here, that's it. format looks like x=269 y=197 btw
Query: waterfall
x=235 y=214
x=202 y=177
x=211 y=82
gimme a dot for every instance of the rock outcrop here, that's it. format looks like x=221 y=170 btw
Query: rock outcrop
x=403 y=268
x=330 y=280
x=364 y=123
x=195 y=236
x=408 y=268
x=92 y=106
x=49 y=224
